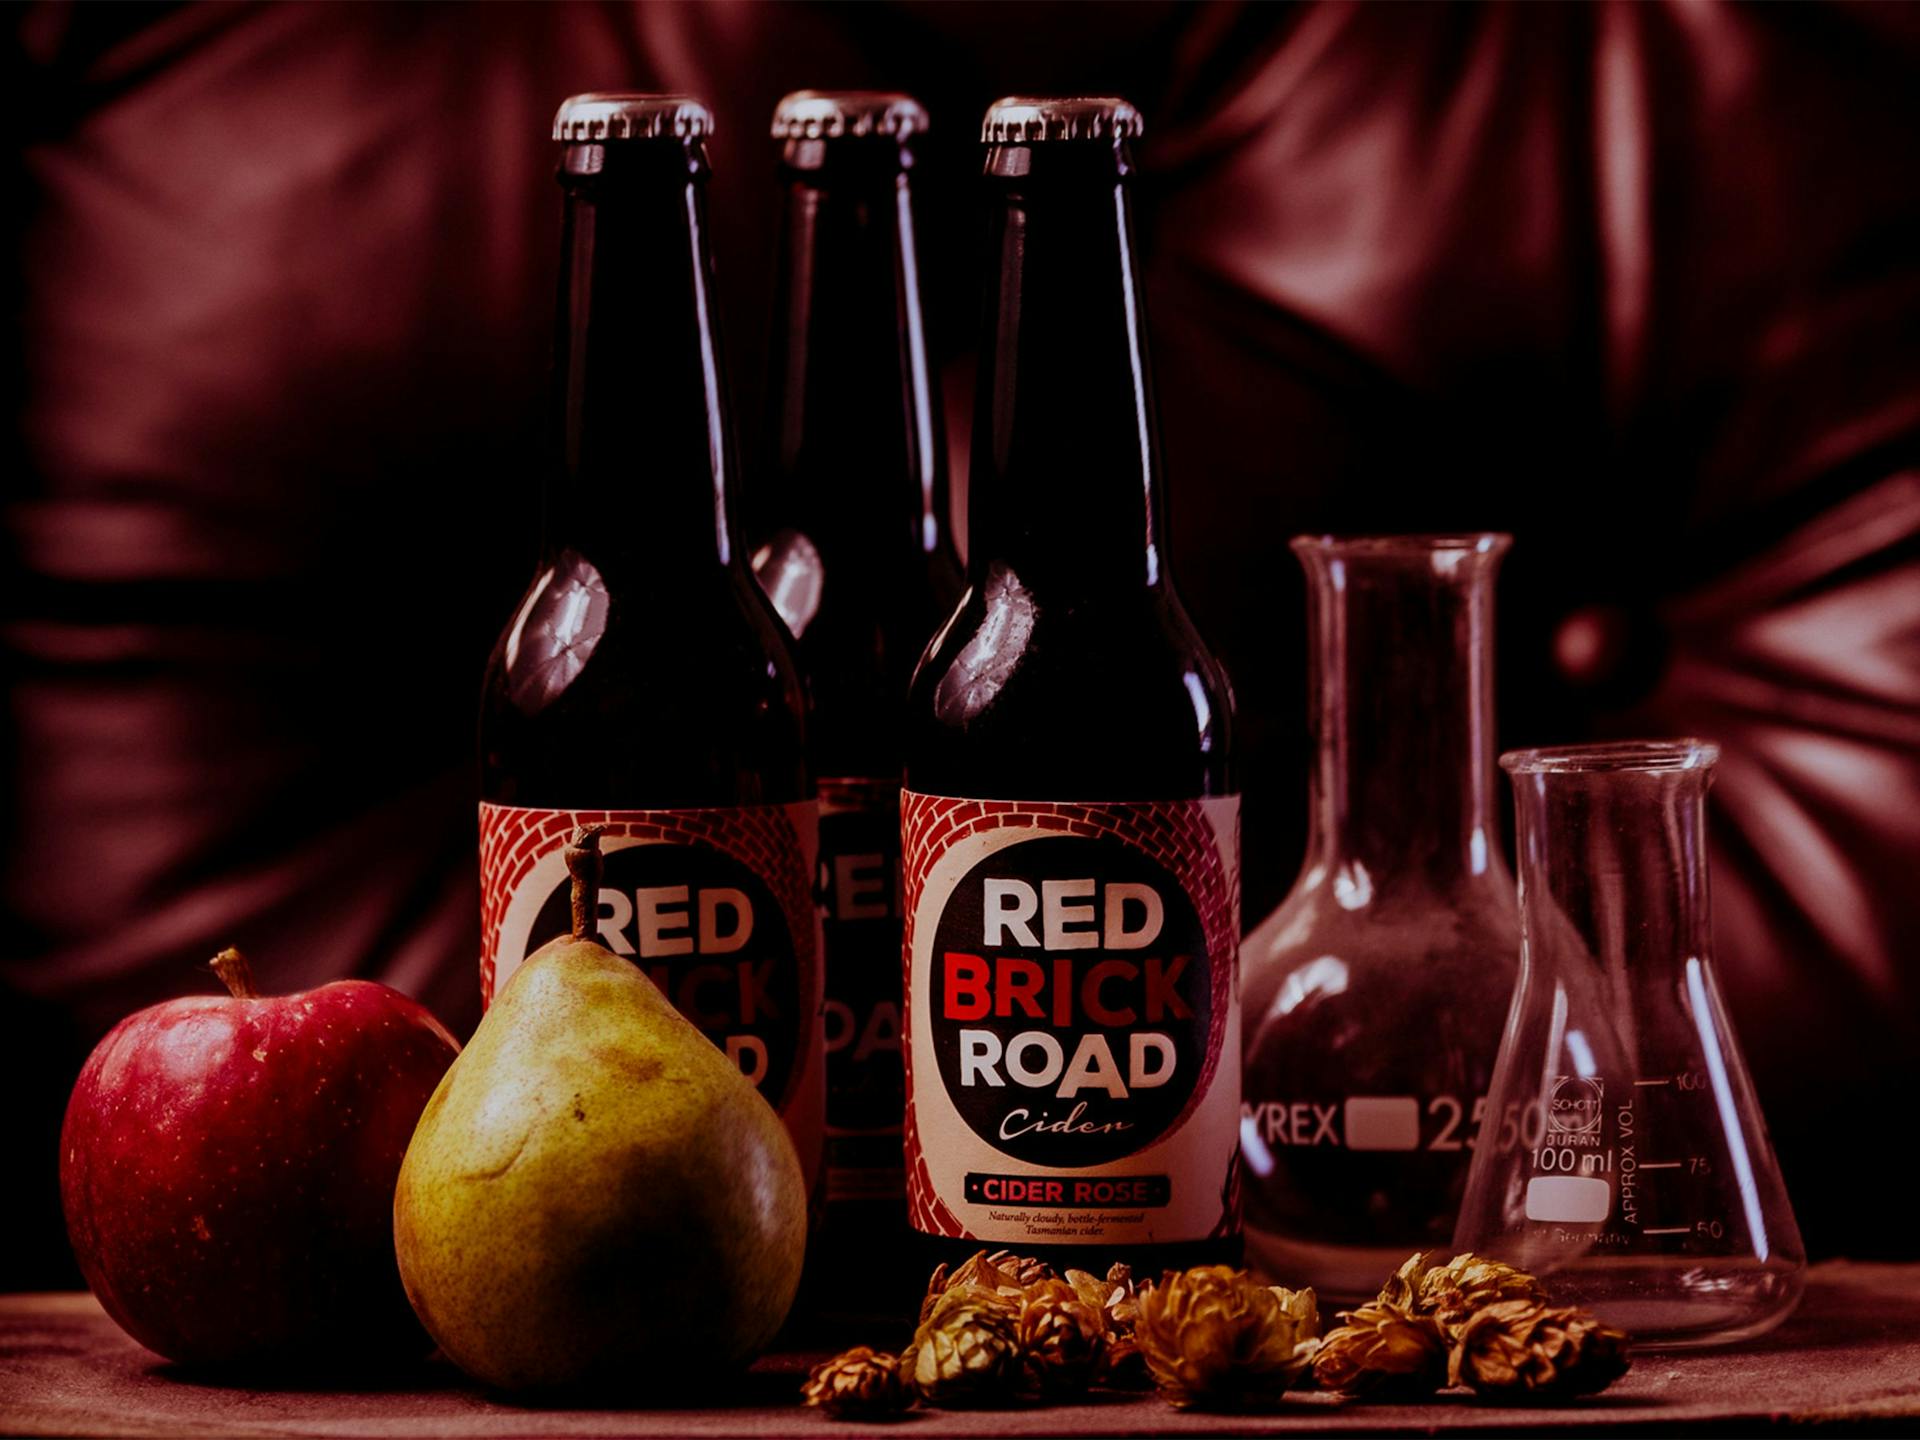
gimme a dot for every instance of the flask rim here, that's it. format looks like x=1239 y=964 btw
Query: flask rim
x=1612 y=756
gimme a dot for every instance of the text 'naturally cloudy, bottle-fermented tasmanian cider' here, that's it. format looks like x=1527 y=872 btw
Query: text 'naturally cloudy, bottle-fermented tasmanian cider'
x=645 y=684
x=1070 y=829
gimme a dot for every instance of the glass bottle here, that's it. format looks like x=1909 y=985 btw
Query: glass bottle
x=1626 y=1159
x=1070 y=828
x=859 y=560
x=645 y=684
x=1372 y=995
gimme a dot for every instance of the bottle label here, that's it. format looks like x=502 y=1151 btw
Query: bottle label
x=859 y=893
x=715 y=906
x=1073 y=1019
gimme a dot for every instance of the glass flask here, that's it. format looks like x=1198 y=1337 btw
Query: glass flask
x=1625 y=1155
x=1372 y=996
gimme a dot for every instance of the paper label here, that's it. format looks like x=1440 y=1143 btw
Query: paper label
x=859 y=891
x=715 y=906
x=1073 y=1019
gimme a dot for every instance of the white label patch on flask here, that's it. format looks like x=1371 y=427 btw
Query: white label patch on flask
x=1568 y=1199
x=1383 y=1122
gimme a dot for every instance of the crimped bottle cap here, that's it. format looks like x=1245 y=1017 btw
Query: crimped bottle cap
x=834 y=114
x=1025 y=119
x=631 y=115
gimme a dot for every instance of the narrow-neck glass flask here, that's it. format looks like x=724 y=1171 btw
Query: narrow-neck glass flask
x=1625 y=1158
x=1372 y=996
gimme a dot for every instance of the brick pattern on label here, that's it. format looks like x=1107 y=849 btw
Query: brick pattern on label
x=761 y=837
x=1175 y=833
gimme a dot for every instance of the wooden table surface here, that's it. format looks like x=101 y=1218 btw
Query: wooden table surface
x=1849 y=1360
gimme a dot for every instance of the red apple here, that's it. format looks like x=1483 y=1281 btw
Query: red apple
x=228 y=1168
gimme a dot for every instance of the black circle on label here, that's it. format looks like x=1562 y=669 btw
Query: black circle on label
x=677 y=912
x=1110 y=1059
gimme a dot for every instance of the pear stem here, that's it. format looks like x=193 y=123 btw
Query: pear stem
x=584 y=865
x=235 y=973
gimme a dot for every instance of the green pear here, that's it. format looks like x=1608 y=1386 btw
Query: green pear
x=595 y=1195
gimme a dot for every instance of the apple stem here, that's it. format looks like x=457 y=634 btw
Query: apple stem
x=583 y=864
x=235 y=973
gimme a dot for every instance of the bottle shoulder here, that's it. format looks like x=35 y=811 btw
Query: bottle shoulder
x=684 y=691
x=1111 y=696
x=712 y=615
x=860 y=621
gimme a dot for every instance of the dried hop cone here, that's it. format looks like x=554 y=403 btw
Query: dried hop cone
x=1002 y=1270
x=1062 y=1338
x=1521 y=1349
x=1402 y=1290
x=859 y=1384
x=1216 y=1338
x=1453 y=1292
x=1122 y=1366
x=967 y=1350
x=1380 y=1349
x=1020 y=1270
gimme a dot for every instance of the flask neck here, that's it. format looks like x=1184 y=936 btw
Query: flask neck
x=857 y=452
x=1401 y=681
x=1064 y=488
x=1612 y=843
x=646 y=453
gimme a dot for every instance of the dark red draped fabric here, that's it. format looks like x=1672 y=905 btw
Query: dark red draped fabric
x=1639 y=283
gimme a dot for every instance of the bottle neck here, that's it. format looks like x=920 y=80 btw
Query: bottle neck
x=857 y=454
x=1401 y=678
x=1064 y=487
x=646 y=454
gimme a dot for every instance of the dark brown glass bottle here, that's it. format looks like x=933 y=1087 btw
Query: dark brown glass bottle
x=644 y=683
x=857 y=556
x=1070 y=828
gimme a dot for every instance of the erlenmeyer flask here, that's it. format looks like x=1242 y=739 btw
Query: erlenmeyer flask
x=1624 y=1154
x=1371 y=997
